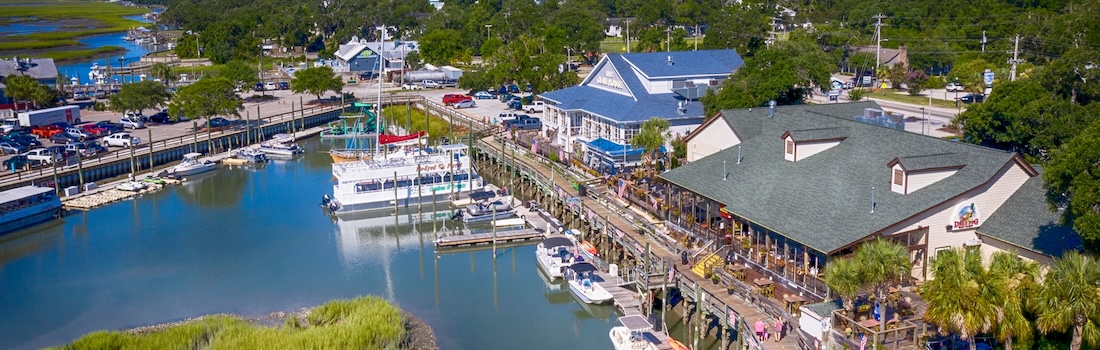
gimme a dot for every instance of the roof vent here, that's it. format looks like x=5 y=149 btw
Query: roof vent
x=670 y=60
x=771 y=108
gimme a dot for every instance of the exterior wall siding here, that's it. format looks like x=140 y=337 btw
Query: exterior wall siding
x=789 y=156
x=990 y=246
x=987 y=198
x=804 y=150
x=918 y=181
x=715 y=137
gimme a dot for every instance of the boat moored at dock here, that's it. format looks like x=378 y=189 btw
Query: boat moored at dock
x=425 y=175
x=191 y=165
x=584 y=283
x=632 y=335
x=25 y=206
x=280 y=145
x=554 y=255
x=488 y=211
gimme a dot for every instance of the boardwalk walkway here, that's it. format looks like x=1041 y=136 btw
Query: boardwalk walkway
x=742 y=307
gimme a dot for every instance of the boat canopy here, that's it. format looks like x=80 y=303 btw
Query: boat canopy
x=481 y=195
x=388 y=139
x=635 y=323
x=192 y=155
x=582 y=267
x=556 y=242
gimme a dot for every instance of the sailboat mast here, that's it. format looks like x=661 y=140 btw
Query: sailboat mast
x=378 y=118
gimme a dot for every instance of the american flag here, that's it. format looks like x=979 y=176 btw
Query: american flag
x=534 y=146
x=622 y=187
x=671 y=273
x=862 y=341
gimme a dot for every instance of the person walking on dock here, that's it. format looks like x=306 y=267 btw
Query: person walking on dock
x=760 y=329
x=778 y=328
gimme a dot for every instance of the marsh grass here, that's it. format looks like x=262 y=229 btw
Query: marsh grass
x=72 y=55
x=361 y=323
x=103 y=17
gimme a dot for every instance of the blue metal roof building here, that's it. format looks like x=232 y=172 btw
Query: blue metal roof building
x=624 y=90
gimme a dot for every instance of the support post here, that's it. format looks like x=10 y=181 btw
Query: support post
x=150 y=152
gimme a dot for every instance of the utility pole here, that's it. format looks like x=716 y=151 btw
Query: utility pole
x=878 y=40
x=1015 y=59
x=983 y=42
x=627 y=35
x=771 y=33
x=696 y=37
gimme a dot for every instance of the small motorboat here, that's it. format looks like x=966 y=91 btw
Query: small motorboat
x=280 y=147
x=191 y=165
x=486 y=211
x=632 y=334
x=132 y=186
x=584 y=283
x=554 y=255
x=250 y=155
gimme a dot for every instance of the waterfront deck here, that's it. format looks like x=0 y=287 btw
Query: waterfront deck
x=602 y=207
x=510 y=236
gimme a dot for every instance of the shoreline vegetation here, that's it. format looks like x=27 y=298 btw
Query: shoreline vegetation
x=74 y=19
x=361 y=323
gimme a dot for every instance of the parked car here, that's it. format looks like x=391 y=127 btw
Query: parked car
x=524 y=123
x=449 y=83
x=43 y=155
x=412 y=86
x=94 y=130
x=953 y=87
x=111 y=127
x=11 y=147
x=284 y=85
x=20 y=162
x=160 y=118
x=80 y=96
x=515 y=104
x=132 y=121
x=258 y=87
x=84 y=149
x=464 y=104
x=78 y=133
x=100 y=93
x=513 y=88
x=535 y=107
x=122 y=139
x=61 y=151
x=219 y=123
x=450 y=99
x=367 y=75
x=63 y=138
x=270 y=86
x=27 y=140
x=46 y=131
x=432 y=84
x=483 y=95
x=971 y=98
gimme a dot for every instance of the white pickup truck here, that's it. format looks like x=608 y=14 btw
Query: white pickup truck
x=535 y=107
x=43 y=155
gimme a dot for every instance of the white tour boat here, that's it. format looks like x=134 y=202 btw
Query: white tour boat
x=632 y=335
x=554 y=254
x=280 y=145
x=25 y=206
x=191 y=165
x=583 y=282
x=423 y=176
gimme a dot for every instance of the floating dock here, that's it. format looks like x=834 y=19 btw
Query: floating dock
x=100 y=198
x=509 y=236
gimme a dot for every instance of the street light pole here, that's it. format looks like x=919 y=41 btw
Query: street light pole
x=924 y=121
x=488 y=31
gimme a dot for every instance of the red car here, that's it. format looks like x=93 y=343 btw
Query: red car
x=94 y=130
x=450 y=99
x=46 y=131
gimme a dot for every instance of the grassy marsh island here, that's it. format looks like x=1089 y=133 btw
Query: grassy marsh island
x=72 y=19
x=361 y=323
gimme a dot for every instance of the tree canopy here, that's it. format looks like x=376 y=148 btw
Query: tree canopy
x=316 y=81
x=242 y=75
x=207 y=98
x=786 y=72
x=139 y=96
x=26 y=88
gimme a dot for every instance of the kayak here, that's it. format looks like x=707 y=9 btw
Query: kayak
x=589 y=248
x=677 y=345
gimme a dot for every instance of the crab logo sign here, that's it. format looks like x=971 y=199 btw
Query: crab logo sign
x=965 y=216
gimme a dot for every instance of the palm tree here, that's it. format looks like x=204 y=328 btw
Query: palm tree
x=651 y=136
x=843 y=276
x=963 y=297
x=1020 y=278
x=1068 y=299
x=883 y=263
x=162 y=71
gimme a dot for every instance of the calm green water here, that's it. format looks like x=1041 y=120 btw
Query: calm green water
x=252 y=241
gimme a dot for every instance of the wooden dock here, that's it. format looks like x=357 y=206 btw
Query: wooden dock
x=509 y=236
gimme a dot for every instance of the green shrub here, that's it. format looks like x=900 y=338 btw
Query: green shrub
x=856 y=94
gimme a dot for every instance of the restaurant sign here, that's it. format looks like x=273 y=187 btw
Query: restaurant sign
x=965 y=216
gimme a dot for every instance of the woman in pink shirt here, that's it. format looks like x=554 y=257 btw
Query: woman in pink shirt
x=760 y=329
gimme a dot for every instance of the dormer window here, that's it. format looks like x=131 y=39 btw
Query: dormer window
x=801 y=144
x=910 y=174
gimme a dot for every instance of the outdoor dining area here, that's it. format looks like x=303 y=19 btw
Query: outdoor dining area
x=886 y=323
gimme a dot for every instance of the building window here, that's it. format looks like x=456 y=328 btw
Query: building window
x=898 y=176
x=676 y=84
x=713 y=82
x=790 y=147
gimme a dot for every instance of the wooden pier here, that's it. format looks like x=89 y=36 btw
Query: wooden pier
x=509 y=236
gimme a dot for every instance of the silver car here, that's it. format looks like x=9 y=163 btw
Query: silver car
x=465 y=104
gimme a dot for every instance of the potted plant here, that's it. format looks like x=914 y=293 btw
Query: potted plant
x=714 y=278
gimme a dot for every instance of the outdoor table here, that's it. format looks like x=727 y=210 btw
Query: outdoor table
x=793 y=302
x=737 y=270
x=764 y=285
x=869 y=323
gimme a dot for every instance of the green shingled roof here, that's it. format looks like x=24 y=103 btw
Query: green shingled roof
x=825 y=308
x=824 y=200
x=819 y=134
x=934 y=161
x=1027 y=221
